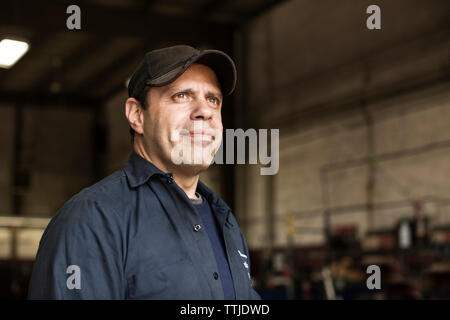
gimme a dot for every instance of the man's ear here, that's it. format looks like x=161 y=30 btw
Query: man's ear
x=133 y=112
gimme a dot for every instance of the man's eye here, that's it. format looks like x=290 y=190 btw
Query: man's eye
x=180 y=95
x=214 y=100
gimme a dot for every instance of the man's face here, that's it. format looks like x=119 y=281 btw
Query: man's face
x=183 y=124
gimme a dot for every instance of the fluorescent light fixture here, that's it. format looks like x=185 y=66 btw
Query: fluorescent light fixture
x=11 y=51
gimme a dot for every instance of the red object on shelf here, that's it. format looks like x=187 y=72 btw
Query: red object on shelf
x=346 y=229
x=387 y=241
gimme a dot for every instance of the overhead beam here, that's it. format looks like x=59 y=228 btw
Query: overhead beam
x=265 y=7
x=77 y=55
x=108 y=21
x=40 y=99
x=210 y=6
x=110 y=69
x=352 y=103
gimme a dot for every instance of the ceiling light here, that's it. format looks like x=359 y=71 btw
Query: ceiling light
x=11 y=51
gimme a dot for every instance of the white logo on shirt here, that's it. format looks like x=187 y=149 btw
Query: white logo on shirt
x=245 y=262
x=242 y=255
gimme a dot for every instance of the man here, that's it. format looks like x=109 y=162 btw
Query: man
x=153 y=230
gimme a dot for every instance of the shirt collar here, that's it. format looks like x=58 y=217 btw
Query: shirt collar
x=215 y=201
x=139 y=170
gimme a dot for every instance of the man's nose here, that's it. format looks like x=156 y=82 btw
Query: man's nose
x=201 y=111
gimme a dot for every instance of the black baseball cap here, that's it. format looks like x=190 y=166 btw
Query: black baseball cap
x=163 y=66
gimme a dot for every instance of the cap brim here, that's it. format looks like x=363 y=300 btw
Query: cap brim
x=217 y=60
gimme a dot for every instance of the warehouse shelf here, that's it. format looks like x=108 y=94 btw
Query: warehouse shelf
x=421 y=271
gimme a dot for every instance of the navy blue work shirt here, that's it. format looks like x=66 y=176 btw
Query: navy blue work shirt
x=135 y=235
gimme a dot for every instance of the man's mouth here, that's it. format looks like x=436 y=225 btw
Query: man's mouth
x=203 y=135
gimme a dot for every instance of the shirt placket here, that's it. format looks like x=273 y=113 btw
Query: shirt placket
x=189 y=224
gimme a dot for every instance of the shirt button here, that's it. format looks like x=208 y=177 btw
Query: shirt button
x=216 y=275
x=169 y=178
x=197 y=227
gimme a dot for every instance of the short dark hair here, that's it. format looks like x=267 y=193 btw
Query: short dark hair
x=144 y=102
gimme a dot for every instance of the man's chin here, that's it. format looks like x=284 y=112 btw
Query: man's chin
x=193 y=169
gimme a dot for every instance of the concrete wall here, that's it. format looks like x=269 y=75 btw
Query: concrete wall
x=6 y=158
x=316 y=72
x=58 y=153
x=421 y=126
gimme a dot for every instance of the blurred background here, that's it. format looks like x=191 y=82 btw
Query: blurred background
x=364 y=120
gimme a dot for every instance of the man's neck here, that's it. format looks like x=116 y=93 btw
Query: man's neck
x=187 y=182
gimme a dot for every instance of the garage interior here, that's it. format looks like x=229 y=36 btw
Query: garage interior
x=363 y=118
